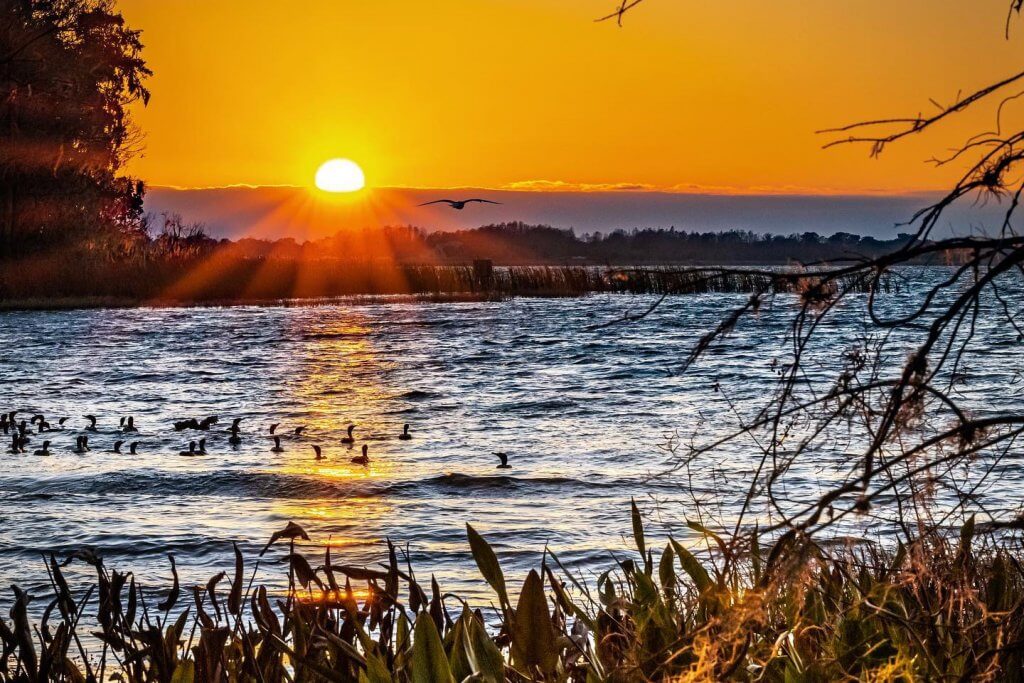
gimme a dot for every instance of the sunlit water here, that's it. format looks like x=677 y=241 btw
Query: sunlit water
x=583 y=414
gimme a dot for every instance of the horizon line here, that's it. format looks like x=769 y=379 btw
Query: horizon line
x=542 y=187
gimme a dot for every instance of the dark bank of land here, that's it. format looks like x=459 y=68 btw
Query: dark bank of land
x=182 y=265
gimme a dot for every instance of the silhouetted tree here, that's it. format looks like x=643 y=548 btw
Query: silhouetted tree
x=68 y=71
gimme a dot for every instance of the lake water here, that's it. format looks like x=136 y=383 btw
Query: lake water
x=583 y=414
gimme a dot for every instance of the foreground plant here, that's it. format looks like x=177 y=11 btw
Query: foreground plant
x=939 y=609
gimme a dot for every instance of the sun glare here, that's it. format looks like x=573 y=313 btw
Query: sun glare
x=340 y=175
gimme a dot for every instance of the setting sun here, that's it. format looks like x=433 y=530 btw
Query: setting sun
x=340 y=175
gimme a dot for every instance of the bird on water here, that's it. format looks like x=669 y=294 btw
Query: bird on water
x=504 y=461
x=277 y=445
x=405 y=435
x=349 y=439
x=319 y=454
x=363 y=459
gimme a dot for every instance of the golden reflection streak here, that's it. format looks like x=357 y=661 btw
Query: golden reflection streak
x=337 y=382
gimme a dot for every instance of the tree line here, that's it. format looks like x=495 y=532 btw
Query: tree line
x=520 y=244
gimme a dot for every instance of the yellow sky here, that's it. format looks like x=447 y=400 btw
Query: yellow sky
x=494 y=92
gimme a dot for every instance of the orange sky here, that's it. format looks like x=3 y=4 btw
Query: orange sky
x=489 y=93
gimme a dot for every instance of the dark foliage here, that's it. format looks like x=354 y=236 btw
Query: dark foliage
x=68 y=71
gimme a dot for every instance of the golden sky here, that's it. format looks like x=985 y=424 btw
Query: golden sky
x=490 y=93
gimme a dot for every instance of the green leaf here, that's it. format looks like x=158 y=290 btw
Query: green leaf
x=666 y=570
x=692 y=566
x=484 y=656
x=429 y=662
x=376 y=670
x=697 y=526
x=638 y=527
x=185 y=672
x=533 y=632
x=487 y=561
x=457 y=657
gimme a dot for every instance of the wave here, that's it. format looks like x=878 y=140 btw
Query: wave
x=228 y=484
x=457 y=480
x=417 y=395
x=255 y=484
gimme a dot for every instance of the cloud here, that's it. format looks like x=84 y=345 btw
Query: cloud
x=563 y=186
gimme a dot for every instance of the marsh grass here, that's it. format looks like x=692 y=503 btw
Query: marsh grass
x=940 y=608
x=64 y=282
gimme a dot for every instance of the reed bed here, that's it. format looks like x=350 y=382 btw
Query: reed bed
x=939 y=608
x=169 y=281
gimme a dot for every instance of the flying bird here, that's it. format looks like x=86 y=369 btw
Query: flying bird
x=458 y=204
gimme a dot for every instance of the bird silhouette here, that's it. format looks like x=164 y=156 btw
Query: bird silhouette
x=129 y=425
x=117 y=446
x=277 y=445
x=45 y=450
x=363 y=459
x=92 y=422
x=298 y=430
x=273 y=427
x=191 y=449
x=319 y=455
x=458 y=204
x=405 y=435
x=504 y=461
x=349 y=439
x=132 y=446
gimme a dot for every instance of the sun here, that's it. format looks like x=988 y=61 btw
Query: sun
x=340 y=175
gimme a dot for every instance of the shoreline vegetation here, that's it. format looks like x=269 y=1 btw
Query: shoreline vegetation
x=939 y=608
x=182 y=266
x=323 y=282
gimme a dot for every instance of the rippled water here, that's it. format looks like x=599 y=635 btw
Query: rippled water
x=582 y=413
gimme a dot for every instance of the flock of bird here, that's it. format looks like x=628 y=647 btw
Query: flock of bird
x=23 y=431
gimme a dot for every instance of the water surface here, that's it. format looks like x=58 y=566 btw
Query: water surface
x=583 y=414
